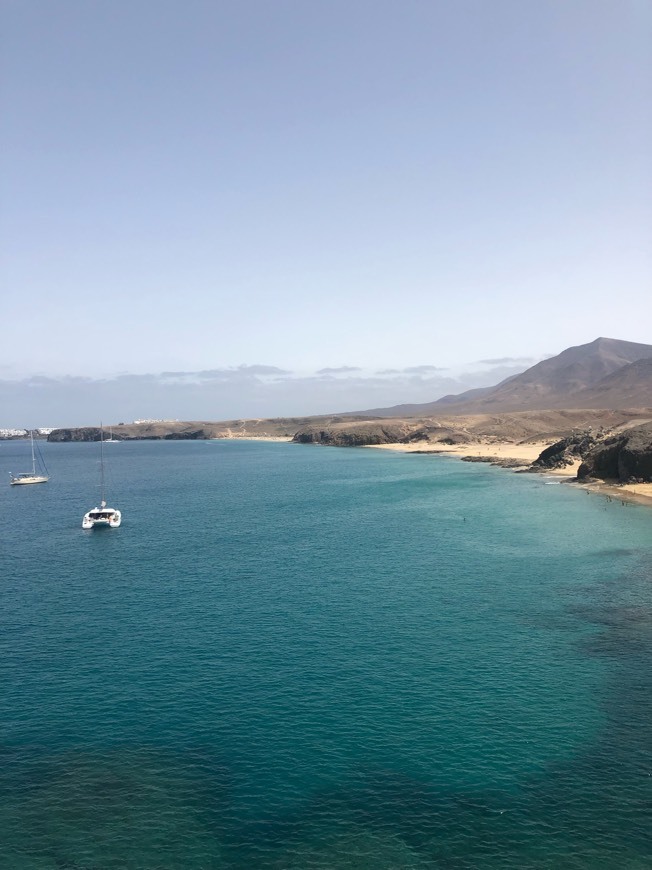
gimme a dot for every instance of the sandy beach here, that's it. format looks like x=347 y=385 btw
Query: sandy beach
x=527 y=452
x=634 y=493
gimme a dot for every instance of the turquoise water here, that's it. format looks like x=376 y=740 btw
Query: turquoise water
x=300 y=657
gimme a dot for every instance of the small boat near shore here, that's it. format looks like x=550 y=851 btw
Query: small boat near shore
x=102 y=516
x=25 y=477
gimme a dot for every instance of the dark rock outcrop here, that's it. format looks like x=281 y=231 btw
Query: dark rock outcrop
x=566 y=451
x=365 y=433
x=87 y=433
x=626 y=457
x=437 y=434
x=351 y=436
x=194 y=435
x=500 y=462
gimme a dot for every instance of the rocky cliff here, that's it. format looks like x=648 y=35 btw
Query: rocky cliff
x=626 y=457
x=354 y=435
x=566 y=451
x=86 y=433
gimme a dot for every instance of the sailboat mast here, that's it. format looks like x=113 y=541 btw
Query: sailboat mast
x=31 y=438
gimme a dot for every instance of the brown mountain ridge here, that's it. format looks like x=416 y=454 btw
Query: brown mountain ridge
x=606 y=373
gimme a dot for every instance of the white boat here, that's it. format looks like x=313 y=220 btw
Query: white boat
x=111 y=439
x=102 y=516
x=24 y=477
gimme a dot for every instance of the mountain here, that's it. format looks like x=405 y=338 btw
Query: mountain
x=627 y=387
x=606 y=373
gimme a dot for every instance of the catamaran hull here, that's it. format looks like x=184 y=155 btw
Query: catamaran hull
x=101 y=522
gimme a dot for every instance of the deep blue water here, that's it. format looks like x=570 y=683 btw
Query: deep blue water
x=300 y=657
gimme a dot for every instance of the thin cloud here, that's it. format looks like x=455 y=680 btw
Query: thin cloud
x=209 y=373
x=412 y=370
x=263 y=370
x=507 y=360
x=338 y=371
x=223 y=394
x=422 y=370
x=237 y=374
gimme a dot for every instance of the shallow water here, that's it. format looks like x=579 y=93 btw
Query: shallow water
x=293 y=656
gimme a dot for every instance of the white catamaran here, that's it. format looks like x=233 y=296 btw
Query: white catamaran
x=102 y=516
x=31 y=476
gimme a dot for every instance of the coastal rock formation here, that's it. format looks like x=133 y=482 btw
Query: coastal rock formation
x=90 y=433
x=435 y=433
x=626 y=457
x=566 y=451
x=367 y=433
x=86 y=433
x=188 y=435
x=356 y=435
x=505 y=462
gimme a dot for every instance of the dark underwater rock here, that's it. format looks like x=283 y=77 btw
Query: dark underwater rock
x=500 y=462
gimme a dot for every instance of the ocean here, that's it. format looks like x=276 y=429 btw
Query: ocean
x=303 y=657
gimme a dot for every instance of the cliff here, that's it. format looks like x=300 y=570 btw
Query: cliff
x=86 y=433
x=626 y=457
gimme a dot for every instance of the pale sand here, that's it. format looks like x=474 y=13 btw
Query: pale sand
x=526 y=452
x=635 y=493
x=639 y=493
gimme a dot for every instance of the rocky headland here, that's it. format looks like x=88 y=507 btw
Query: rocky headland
x=625 y=457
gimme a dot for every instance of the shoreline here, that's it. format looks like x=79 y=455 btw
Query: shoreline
x=526 y=453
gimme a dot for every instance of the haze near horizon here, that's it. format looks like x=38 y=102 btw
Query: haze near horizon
x=370 y=196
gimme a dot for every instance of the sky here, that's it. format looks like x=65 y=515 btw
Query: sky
x=215 y=209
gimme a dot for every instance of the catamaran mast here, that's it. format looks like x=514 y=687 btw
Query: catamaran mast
x=102 y=502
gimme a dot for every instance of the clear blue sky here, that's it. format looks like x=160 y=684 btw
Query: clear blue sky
x=314 y=183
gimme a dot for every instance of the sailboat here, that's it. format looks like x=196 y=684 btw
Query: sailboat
x=31 y=476
x=111 y=439
x=102 y=516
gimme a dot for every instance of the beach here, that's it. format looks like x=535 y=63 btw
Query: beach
x=526 y=453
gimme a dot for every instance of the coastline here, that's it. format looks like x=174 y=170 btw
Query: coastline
x=522 y=456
